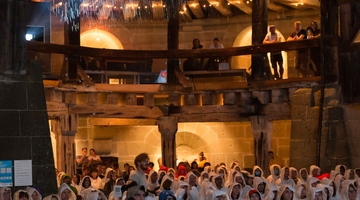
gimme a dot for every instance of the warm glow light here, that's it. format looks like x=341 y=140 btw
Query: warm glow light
x=247 y=2
x=145 y=6
x=229 y=4
x=90 y=38
x=184 y=8
x=181 y=12
x=204 y=6
x=164 y=6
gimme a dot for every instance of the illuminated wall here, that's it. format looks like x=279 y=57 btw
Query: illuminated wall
x=221 y=142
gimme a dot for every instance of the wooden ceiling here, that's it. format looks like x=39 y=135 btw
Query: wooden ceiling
x=191 y=9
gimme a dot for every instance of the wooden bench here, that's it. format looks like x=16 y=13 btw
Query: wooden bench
x=120 y=74
x=217 y=73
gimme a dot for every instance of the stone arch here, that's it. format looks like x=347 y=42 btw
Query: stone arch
x=244 y=61
x=189 y=145
x=99 y=39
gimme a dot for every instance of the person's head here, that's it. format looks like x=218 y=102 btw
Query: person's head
x=238 y=179
x=120 y=181
x=287 y=194
x=141 y=161
x=65 y=195
x=352 y=192
x=113 y=175
x=92 y=152
x=154 y=177
x=261 y=187
x=293 y=173
x=303 y=174
x=313 y=25
x=201 y=156
x=115 y=165
x=86 y=182
x=235 y=192
x=23 y=195
x=297 y=26
x=196 y=43
x=103 y=169
x=192 y=179
x=167 y=184
x=6 y=195
x=216 y=41
x=194 y=165
x=94 y=173
x=219 y=182
x=84 y=150
x=302 y=192
x=151 y=165
x=65 y=192
x=257 y=172
x=36 y=195
x=126 y=166
x=351 y=175
x=85 y=170
x=276 y=170
x=76 y=179
x=254 y=195
x=286 y=173
x=271 y=154
x=66 y=179
x=272 y=30
x=318 y=195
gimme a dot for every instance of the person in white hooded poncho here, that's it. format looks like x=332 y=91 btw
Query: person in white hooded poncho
x=286 y=192
x=327 y=190
x=230 y=179
x=152 y=183
x=219 y=195
x=349 y=174
x=340 y=169
x=339 y=179
x=271 y=192
x=302 y=192
x=218 y=183
x=274 y=173
x=260 y=185
x=258 y=172
x=314 y=171
x=194 y=188
x=313 y=181
x=317 y=194
x=34 y=194
x=303 y=176
x=349 y=191
x=239 y=178
x=253 y=194
x=206 y=190
x=284 y=178
x=121 y=182
x=21 y=195
x=65 y=192
x=234 y=192
x=203 y=175
x=294 y=175
x=222 y=171
x=331 y=186
x=182 y=193
x=52 y=197
x=85 y=185
x=5 y=193
x=94 y=195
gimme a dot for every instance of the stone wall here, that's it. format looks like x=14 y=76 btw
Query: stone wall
x=221 y=142
x=334 y=148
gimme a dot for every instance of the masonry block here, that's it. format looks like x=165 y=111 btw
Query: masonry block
x=246 y=98
x=190 y=99
x=70 y=97
x=130 y=99
x=230 y=98
x=334 y=113
x=304 y=129
x=291 y=93
x=208 y=99
x=279 y=95
x=329 y=95
x=303 y=97
x=303 y=148
x=312 y=113
x=298 y=112
x=262 y=96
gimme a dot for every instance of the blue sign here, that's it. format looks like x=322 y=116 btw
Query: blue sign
x=6 y=173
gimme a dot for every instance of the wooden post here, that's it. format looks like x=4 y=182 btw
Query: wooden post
x=173 y=37
x=13 y=23
x=168 y=127
x=262 y=131
x=259 y=30
x=72 y=37
x=349 y=71
x=65 y=129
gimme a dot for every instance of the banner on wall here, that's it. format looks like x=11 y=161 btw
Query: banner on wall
x=6 y=173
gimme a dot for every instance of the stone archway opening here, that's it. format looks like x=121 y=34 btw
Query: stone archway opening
x=244 y=61
x=96 y=38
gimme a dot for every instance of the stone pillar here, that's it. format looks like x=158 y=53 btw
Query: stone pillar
x=262 y=130
x=65 y=129
x=168 y=127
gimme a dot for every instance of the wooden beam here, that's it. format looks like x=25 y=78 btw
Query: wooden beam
x=213 y=117
x=341 y=2
x=93 y=121
x=190 y=110
x=222 y=6
x=156 y=54
x=116 y=111
x=243 y=6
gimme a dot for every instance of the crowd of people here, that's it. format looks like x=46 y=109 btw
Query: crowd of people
x=199 y=180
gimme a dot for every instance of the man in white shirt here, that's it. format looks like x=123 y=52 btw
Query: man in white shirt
x=141 y=161
x=275 y=57
x=216 y=44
